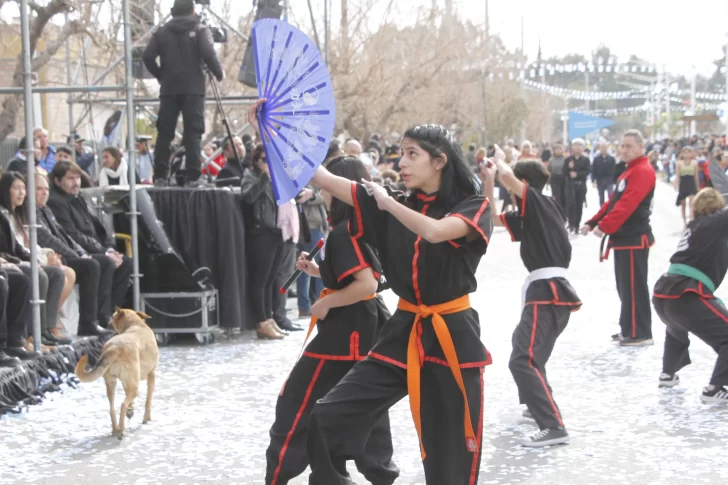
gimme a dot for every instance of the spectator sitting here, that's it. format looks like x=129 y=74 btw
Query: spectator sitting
x=144 y=160
x=232 y=174
x=47 y=152
x=20 y=162
x=85 y=156
x=15 y=246
x=94 y=274
x=65 y=154
x=115 y=170
x=213 y=165
x=14 y=312
x=73 y=215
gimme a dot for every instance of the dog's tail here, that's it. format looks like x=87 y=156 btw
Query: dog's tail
x=94 y=373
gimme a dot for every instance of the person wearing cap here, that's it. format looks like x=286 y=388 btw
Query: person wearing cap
x=185 y=49
x=85 y=156
x=20 y=162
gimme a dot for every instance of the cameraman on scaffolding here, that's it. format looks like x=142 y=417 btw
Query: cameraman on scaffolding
x=185 y=47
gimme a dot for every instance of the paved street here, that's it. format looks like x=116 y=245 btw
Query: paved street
x=214 y=405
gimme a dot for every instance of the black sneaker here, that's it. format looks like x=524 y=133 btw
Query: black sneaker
x=547 y=437
x=668 y=380
x=635 y=342
x=717 y=395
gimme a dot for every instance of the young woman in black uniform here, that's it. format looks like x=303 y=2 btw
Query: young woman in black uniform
x=346 y=318
x=684 y=296
x=548 y=299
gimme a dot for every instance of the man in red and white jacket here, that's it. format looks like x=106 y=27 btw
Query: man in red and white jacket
x=625 y=220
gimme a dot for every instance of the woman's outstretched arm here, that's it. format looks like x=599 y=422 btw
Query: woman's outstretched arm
x=338 y=187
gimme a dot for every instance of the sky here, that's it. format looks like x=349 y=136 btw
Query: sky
x=647 y=28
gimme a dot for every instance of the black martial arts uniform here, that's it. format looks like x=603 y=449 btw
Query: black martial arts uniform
x=548 y=300
x=625 y=219
x=431 y=344
x=575 y=188
x=343 y=338
x=687 y=304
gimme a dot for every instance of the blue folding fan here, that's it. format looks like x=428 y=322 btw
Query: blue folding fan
x=297 y=120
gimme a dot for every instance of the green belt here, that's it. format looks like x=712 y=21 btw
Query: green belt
x=690 y=272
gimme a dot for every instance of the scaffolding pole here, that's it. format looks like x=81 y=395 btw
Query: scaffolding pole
x=64 y=89
x=69 y=79
x=131 y=149
x=30 y=183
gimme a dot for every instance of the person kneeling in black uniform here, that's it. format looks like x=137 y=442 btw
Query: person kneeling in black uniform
x=684 y=296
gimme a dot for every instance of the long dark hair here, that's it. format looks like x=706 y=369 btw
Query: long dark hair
x=350 y=168
x=6 y=182
x=458 y=182
x=258 y=152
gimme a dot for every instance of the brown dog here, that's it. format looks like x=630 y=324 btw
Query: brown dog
x=132 y=356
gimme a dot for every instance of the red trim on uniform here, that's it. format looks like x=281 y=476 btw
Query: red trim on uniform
x=645 y=244
x=523 y=199
x=473 y=225
x=467 y=365
x=480 y=211
x=554 y=291
x=474 y=468
x=530 y=362
x=557 y=303
x=388 y=360
x=353 y=270
x=357 y=209
x=295 y=422
x=670 y=297
x=353 y=351
x=420 y=348
x=354 y=346
x=502 y=217
x=416 y=283
x=426 y=198
x=640 y=179
x=631 y=289
x=712 y=309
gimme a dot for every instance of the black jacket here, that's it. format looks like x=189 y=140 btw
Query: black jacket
x=10 y=250
x=582 y=167
x=257 y=194
x=52 y=235
x=73 y=215
x=231 y=175
x=603 y=167
x=184 y=48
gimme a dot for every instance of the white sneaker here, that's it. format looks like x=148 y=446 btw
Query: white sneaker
x=667 y=380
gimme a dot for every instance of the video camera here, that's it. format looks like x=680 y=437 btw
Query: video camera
x=219 y=34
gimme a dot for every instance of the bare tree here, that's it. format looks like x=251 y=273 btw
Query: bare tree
x=41 y=16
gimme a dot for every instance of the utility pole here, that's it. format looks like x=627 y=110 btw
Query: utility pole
x=523 y=82
x=69 y=80
x=485 y=77
x=668 y=101
x=693 y=104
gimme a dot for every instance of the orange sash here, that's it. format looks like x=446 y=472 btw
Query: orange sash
x=414 y=364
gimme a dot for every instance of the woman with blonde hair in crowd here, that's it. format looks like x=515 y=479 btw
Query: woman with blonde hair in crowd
x=687 y=179
x=684 y=297
x=528 y=153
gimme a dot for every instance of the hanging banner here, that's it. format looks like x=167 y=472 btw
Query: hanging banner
x=581 y=125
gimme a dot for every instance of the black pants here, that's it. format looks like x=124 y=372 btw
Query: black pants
x=285 y=269
x=630 y=271
x=192 y=108
x=707 y=319
x=14 y=307
x=88 y=275
x=605 y=185
x=557 y=191
x=51 y=280
x=104 y=298
x=341 y=422
x=309 y=381
x=533 y=342
x=575 y=193
x=264 y=248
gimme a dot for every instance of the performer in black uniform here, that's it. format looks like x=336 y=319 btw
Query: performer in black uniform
x=346 y=318
x=576 y=170
x=430 y=243
x=684 y=296
x=625 y=220
x=548 y=299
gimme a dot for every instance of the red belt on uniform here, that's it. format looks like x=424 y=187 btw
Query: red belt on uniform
x=414 y=363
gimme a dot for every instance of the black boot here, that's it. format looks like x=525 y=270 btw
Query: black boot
x=49 y=339
x=92 y=330
x=8 y=361
x=21 y=353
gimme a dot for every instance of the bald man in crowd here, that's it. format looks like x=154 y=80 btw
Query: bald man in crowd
x=352 y=148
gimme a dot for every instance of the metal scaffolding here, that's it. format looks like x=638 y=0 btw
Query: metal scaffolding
x=128 y=102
